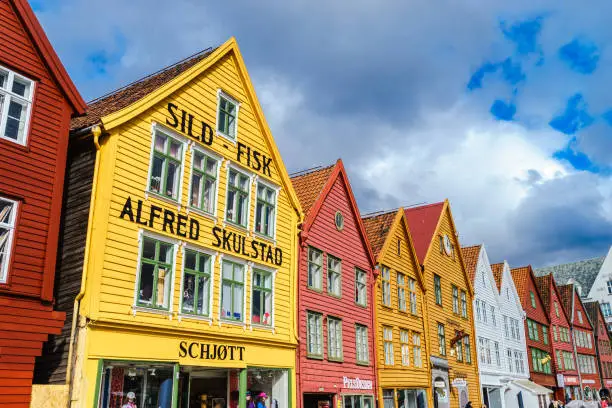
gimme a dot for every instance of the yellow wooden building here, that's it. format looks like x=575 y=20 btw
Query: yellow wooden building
x=188 y=281
x=453 y=362
x=400 y=314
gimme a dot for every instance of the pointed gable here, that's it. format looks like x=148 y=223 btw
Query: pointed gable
x=565 y=295
x=309 y=185
x=470 y=257
x=543 y=285
x=377 y=228
x=524 y=280
x=498 y=273
x=422 y=222
x=596 y=317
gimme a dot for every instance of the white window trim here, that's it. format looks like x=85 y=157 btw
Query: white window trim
x=4 y=269
x=193 y=148
x=246 y=276
x=276 y=189
x=273 y=272
x=221 y=93
x=185 y=145
x=175 y=243
x=251 y=176
x=30 y=101
x=213 y=257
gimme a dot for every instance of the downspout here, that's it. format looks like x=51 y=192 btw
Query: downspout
x=96 y=131
x=374 y=295
x=574 y=345
x=301 y=237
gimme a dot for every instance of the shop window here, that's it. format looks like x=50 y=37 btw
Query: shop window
x=262 y=298
x=265 y=211
x=388 y=399
x=438 y=290
x=155 y=274
x=196 y=283
x=334 y=277
x=203 y=182
x=361 y=289
x=464 y=308
x=358 y=401
x=334 y=339
x=8 y=219
x=16 y=94
x=166 y=165
x=237 y=206
x=144 y=385
x=314 y=334
x=227 y=115
x=416 y=350
x=232 y=291
x=455 y=299
x=441 y=340
x=272 y=383
x=361 y=344
x=386 y=286
x=315 y=268
x=405 y=347
x=413 y=296
x=388 y=345
x=412 y=398
x=401 y=291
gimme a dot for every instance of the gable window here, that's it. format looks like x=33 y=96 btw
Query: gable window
x=203 y=182
x=455 y=300
x=334 y=277
x=166 y=165
x=556 y=308
x=261 y=310
x=361 y=344
x=464 y=312
x=579 y=316
x=196 y=283
x=401 y=292
x=388 y=345
x=155 y=274
x=237 y=205
x=416 y=350
x=232 y=291
x=413 y=296
x=438 y=290
x=399 y=247
x=467 y=349
x=361 y=289
x=532 y=297
x=265 y=210
x=16 y=94
x=441 y=340
x=334 y=338
x=315 y=268
x=609 y=284
x=405 y=348
x=8 y=219
x=339 y=221
x=314 y=334
x=386 y=286
x=227 y=115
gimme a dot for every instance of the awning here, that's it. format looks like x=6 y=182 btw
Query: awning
x=532 y=387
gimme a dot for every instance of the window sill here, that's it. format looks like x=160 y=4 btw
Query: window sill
x=161 y=197
x=194 y=317
x=263 y=327
x=159 y=311
x=314 y=357
x=202 y=213
x=361 y=305
x=335 y=360
x=227 y=137
x=15 y=144
x=363 y=363
x=239 y=323
x=237 y=226
x=264 y=236
x=335 y=296
x=314 y=289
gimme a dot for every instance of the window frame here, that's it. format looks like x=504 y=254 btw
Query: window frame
x=532 y=298
x=321 y=270
x=276 y=189
x=245 y=277
x=413 y=296
x=309 y=335
x=272 y=274
x=339 y=273
x=441 y=340
x=158 y=239
x=438 y=289
x=361 y=334
x=233 y=167
x=361 y=285
x=8 y=95
x=10 y=244
x=339 y=339
x=405 y=347
x=171 y=135
x=222 y=94
x=455 y=291
x=386 y=286
x=467 y=348
x=211 y=278
x=195 y=149
x=464 y=305
x=388 y=346
x=416 y=350
x=401 y=292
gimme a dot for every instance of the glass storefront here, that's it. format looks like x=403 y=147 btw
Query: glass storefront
x=406 y=398
x=358 y=401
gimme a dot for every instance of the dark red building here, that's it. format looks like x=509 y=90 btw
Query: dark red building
x=584 y=341
x=602 y=343
x=537 y=328
x=37 y=100
x=568 y=382
x=336 y=357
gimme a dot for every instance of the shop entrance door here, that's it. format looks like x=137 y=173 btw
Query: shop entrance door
x=318 y=400
x=206 y=389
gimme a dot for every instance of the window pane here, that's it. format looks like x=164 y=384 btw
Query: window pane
x=209 y=198
x=175 y=150
x=238 y=273
x=156 y=173
x=160 y=143
x=145 y=293
x=3 y=79
x=231 y=197
x=172 y=179
x=198 y=161
x=15 y=122
x=6 y=212
x=148 y=249
x=196 y=185
x=226 y=301
x=228 y=270
x=163 y=283
x=211 y=167
x=165 y=252
x=188 y=292
x=21 y=87
x=203 y=291
x=238 y=297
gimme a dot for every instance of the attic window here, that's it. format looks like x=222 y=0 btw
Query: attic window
x=339 y=220
x=227 y=115
x=16 y=94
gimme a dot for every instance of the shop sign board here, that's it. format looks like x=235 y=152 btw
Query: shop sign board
x=588 y=381
x=560 y=382
x=207 y=351
x=459 y=382
x=570 y=380
x=608 y=383
x=356 y=383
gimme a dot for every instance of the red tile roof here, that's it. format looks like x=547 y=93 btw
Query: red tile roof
x=520 y=277
x=309 y=185
x=566 y=293
x=125 y=96
x=377 y=228
x=470 y=258
x=498 y=272
x=422 y=222
x=543 y=285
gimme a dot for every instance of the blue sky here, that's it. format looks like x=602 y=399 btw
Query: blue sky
x=502 y=107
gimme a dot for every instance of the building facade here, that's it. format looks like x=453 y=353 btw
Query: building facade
x=187 y=289
x=402 y=344
x=449 y=297
x=602 y=346
x=336 y=358
x=37 y=100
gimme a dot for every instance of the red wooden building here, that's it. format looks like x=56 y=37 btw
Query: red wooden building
x=568 y=383
x=336 y=358
x=603 y=346
x=37 y=100
x=537 y=328
x=582 y=333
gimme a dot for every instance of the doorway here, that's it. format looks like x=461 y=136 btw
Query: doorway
x=318 y=400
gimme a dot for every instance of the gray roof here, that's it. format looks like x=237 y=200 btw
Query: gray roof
x=583 y=273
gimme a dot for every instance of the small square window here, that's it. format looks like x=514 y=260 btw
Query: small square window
x=265 y=211
x=237 y=201
x=227 y=116
x=15 y=105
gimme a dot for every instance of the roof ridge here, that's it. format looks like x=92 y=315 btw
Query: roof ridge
x=418 y=207
x=306 y=172
x=378 y=213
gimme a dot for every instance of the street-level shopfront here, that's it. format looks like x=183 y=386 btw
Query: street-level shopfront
x=349 y=393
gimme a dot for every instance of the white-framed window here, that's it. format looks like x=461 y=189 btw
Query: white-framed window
x=579 y=316
x=16 y=95
x=609 y=284
x=334 y=276
x=441 y=340
x=455 y=299
x=314 y=334
x=405 y=347
x=509 y=359
x=315 y=268
x=401 y=292
x=167 y=153
x=361 y=288
x=388 y=345
x=8 y=220
x=605 y=308
x=227 y=115
x=484 y=311
x=478 y=312
x=386 y=286
x=262 y=297
x=497 y=354
x=232 y=290
x=493 y=318
x=204 y=179
x=416 y=350
x=413 y=296
x=334 y=339
x=265 y=210
x=467 y=348
x=196 y=289
x=155 y=273
x=237 y=201
x=506 y=331
x=361 y=344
